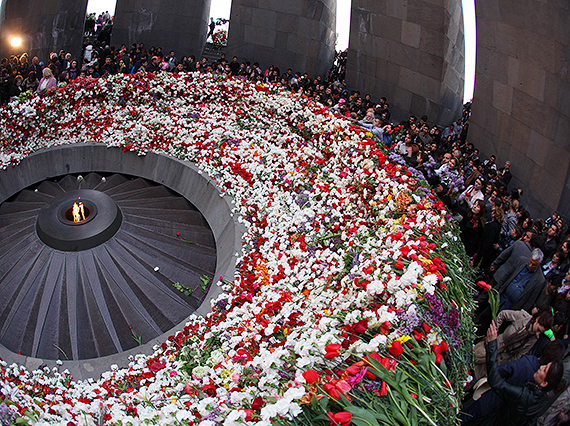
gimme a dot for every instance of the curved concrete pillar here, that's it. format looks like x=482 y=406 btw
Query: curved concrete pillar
x=411 y=52
x=179 y=25
x=297 y=34
x=44 y=26
x=521 y=105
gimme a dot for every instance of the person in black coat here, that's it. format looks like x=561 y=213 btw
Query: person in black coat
x=472 y=227
x=487 y=251
x=523 y=404
x=486 y=402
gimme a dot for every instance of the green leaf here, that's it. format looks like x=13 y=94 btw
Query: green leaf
x=413 y=417
x=324 y=402
x=321 y=417
x=362 y=416
x=204 y=281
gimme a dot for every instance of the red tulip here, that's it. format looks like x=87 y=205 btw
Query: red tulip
x=399 y=266
x=332 y=350
x=361 y=326
x=484 y=285
x=354 y=368
x=374 y=356
x=311 y=376
x=396 y=349
x=370 y=375
x=418 y=335
x=331 y=390
x=333 y=347
x=383 y=389
x=344 y=418
x=444 y=346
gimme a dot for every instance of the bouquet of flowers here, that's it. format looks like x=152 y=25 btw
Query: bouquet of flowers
x=220 y=39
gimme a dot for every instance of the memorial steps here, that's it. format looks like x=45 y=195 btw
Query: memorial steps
x=82 y=304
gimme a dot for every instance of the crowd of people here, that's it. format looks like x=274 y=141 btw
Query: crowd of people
x=524 y=260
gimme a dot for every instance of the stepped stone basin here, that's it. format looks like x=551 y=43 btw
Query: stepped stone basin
x=129 y=270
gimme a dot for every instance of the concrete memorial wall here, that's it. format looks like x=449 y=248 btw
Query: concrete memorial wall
x=176 y=25
x=411 y=52
x=521 y=106
x=297 y=34
x=43 y=26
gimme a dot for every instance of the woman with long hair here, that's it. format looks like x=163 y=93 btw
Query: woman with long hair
x=472 y=227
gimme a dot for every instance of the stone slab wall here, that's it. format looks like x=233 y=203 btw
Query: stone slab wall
x=44 y=26
x=176 y=25
x=521 y=105
x=297 y=34
x=411 y=52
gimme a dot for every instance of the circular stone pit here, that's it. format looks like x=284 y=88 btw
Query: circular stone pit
x=180 y=176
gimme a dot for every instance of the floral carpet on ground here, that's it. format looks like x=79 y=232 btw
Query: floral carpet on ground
x=351 y=300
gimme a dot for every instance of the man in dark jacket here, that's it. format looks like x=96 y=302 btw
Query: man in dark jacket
x=523 y=284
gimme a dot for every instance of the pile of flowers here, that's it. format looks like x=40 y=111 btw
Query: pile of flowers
x=350 y=303
x=220 y=39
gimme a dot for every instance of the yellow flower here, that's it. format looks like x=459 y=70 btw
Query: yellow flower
x=225 y=373
x=404 y=338
x=174 y=400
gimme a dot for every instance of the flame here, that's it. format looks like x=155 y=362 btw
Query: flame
x=78 y=212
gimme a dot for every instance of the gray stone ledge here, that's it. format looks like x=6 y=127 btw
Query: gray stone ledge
x=181 y=176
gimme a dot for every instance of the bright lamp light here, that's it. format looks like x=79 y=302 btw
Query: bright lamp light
x=15 y=42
